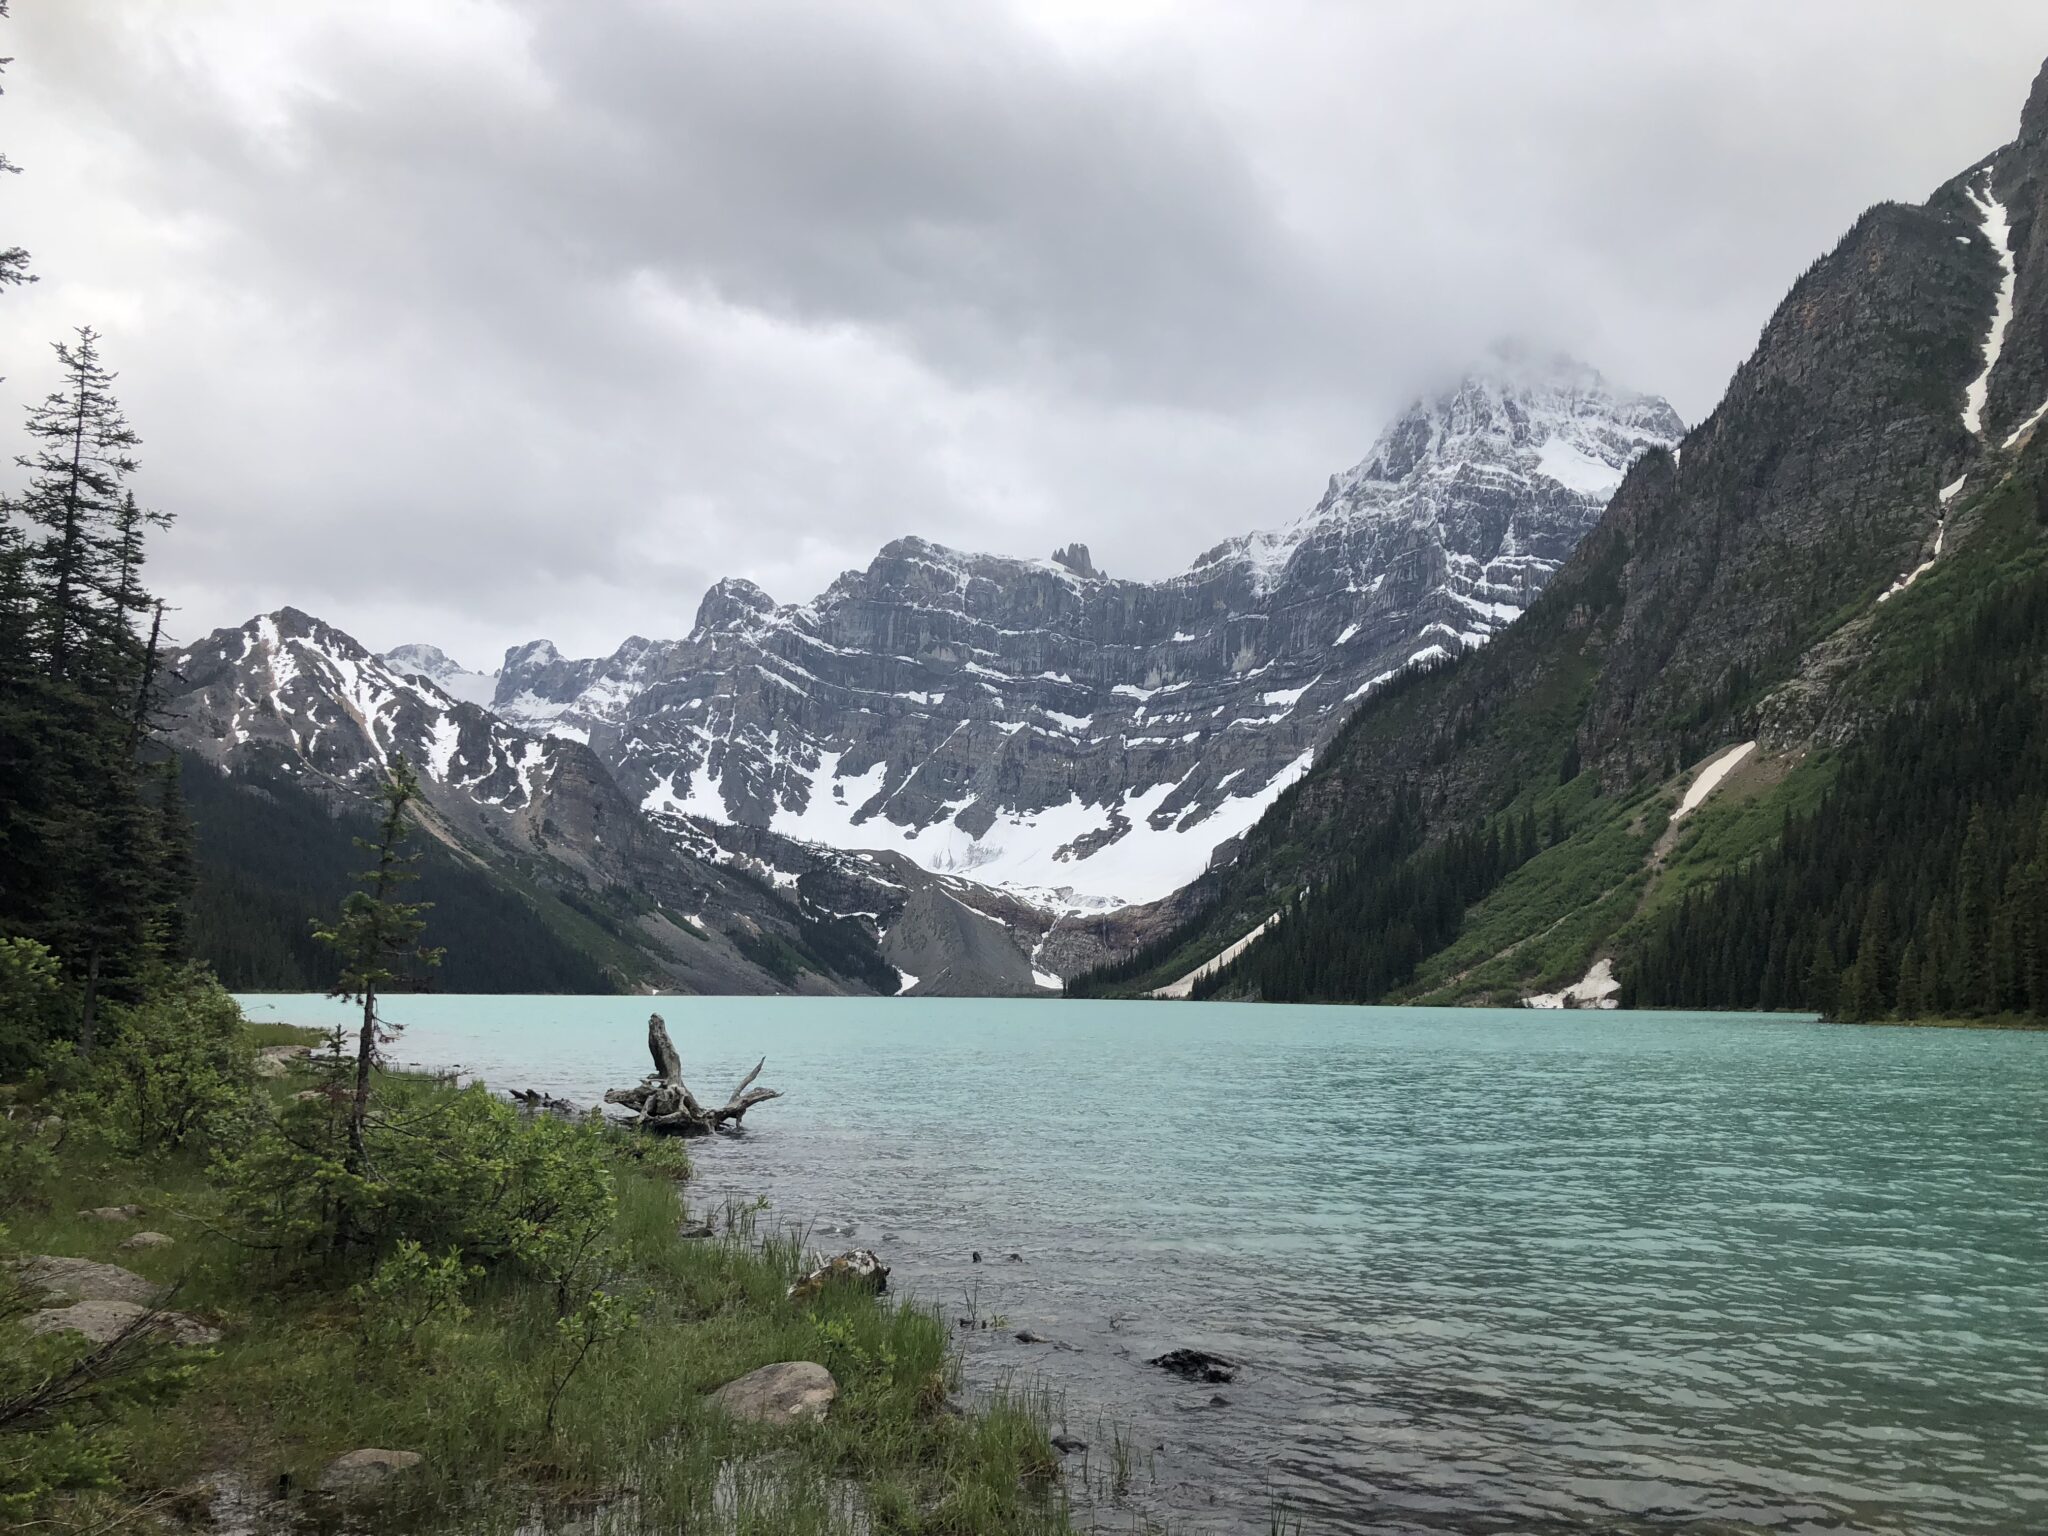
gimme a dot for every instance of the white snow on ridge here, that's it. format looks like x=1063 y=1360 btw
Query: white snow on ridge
x=1999 y=232
x=1595 y=989
x=2024 y=427
x=1577 y=470
x=1030 y=853
x=1186 y=984
x=1708 y=779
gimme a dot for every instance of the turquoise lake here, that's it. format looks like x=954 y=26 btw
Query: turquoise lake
x=1485 y=1271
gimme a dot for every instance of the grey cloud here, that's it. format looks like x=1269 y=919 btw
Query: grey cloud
x=468 y=323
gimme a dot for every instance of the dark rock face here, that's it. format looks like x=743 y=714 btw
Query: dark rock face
x=2019 y=385
x=1085 y=741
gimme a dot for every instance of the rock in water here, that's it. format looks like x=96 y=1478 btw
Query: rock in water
x=366 y=1473
x=858 y=1266
x=785 y=1393
x=1196 y=1365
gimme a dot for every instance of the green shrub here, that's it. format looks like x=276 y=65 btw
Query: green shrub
x=31 y=1005
x=408 y=1291
x=175 y=1070
x=460 y=1174
x=26 y=1163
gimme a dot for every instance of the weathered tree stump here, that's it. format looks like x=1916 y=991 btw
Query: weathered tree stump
x=663 y=1102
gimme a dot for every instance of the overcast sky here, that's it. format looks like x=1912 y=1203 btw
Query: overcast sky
x=473 y=321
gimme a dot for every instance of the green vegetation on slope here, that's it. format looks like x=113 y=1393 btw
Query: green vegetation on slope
x=269 y=853
x=1918 y=883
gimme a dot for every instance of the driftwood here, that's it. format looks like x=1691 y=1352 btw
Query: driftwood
x=663 y=1102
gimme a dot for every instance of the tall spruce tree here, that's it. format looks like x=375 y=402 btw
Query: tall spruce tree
x=375 y=933
x=80 y=822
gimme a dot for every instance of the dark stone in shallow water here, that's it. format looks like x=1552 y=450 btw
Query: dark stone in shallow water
x=1066 y=1445
x=1196 y=1365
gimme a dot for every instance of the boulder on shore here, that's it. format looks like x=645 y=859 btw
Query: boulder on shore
x=785 y=1393
x=113 y=1213
x=85 y=1279
x=367 y=1472
x=143 y=1240
x=101 y=1321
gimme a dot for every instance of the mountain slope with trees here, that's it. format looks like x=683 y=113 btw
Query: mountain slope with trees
x=1806 y=572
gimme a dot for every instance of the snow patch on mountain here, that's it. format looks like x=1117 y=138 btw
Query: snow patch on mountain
x=452 y=678
x=1998 y=230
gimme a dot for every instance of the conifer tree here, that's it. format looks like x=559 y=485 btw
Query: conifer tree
x=82 y=449
x=375 y=933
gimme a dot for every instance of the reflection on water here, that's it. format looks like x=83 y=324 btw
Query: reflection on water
x=1485 y=1272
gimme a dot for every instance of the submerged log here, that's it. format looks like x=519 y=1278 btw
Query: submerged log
x=663 y=1103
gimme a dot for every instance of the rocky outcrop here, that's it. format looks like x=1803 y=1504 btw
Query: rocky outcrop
x=1088 y=742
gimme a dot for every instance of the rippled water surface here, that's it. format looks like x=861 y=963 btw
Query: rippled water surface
x=1486 y=1272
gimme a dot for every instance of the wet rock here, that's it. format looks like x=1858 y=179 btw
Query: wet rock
x=366 y=1473
x=1067 y=1445
x=1196 y=1365
x=85 y=1279
x=858 y=1266
x=113 y=1213
x=1026 y=1336
x=785 y=1393
x=101 y=1321
x=142 y=1240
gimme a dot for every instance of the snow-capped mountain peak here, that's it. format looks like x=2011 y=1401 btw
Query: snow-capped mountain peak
x=1033 y=724
x=453 y=679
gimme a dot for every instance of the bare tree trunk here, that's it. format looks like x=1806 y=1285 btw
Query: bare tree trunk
x=359 y=1107
x=664 y=1102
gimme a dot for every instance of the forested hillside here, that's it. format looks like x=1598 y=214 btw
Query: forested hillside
x=1838 y=571
x=270 y=853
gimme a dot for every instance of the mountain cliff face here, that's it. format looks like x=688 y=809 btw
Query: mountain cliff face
x=1085 y=741
x=297 y=709
x=999 y=771
x=1766 y=586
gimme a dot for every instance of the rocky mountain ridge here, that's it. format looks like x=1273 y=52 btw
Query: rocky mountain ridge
x=998 y=770
x=1083 y=741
